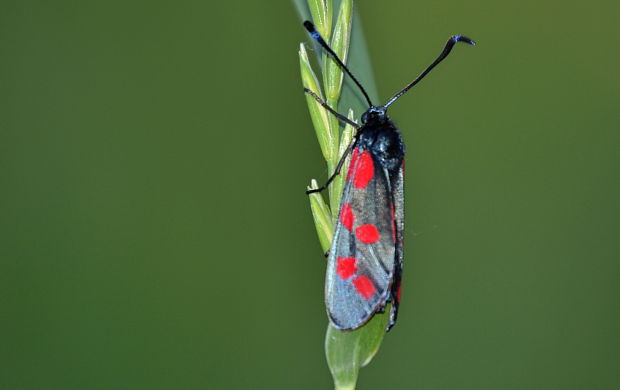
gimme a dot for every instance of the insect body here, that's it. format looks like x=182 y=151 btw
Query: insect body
x=366 y=257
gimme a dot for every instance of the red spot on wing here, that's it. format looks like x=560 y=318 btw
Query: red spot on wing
x=365 y=170
x=367 y=234
x=364 y=286
x=345 y=268
x=398 y=293
x=347 y=217
x=352 y=164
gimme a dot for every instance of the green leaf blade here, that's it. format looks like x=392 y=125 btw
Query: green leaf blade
x=319 y=115
x=322 y=218
x=348 y=351
x=339 y=181
x=340 y=42
x=321 y=11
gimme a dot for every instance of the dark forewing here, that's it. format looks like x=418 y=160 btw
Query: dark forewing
x=363 y=256
x=399 y=222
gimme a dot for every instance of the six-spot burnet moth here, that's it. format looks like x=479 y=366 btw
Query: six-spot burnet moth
x=365 y=261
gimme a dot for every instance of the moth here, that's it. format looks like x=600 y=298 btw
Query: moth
x=365 y=261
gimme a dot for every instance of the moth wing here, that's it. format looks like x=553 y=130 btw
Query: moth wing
x=362 y=259
x=399 y=223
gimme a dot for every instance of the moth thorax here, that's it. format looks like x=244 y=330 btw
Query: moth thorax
x=388 y=146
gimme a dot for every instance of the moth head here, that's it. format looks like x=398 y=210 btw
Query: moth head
x=374 y=114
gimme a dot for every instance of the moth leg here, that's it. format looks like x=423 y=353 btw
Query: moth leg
x=328 y=108
x=338 y=167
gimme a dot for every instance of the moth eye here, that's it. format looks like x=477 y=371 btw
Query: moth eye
x=365 y=117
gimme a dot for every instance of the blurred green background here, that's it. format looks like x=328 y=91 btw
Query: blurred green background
x=155 y=234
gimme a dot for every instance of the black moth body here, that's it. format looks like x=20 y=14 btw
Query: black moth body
x=366 y=257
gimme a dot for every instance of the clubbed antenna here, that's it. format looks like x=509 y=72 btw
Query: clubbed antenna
x=446 y=50
x=315 y=34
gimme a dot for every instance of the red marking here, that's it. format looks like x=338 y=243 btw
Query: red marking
x=352 y=164
x=393 y=223
x=347 y=217
x=365 y=171
x=364 y=286
x=346 y=267
x=398 y=293
x=367 y=234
